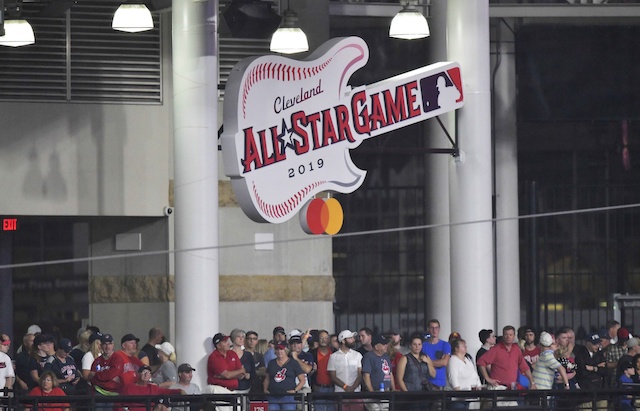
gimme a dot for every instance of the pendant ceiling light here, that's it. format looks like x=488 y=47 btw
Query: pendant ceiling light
x=17 y=32
x=289 y=38
x=409 y=23
x=132 y=18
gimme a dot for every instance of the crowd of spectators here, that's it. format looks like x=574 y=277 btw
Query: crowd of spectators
x=316 y=361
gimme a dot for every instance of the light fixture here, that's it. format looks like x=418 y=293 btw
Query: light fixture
x=17 y=32
x=409 y=23
x=289 y=38
x=132 y=18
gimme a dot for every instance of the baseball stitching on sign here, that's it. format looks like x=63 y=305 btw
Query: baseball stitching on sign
x=281 y=72
x=282 y=209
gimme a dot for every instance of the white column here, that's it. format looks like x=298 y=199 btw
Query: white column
x=472 y=276
x=506 y=160
x=195 y=79
x=437 y=275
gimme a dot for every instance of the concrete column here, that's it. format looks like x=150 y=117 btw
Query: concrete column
x=506 y=180
x=470 y=182
x=437 y=275
x=195 y=79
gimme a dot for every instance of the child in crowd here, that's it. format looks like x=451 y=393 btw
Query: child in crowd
x=625 y=381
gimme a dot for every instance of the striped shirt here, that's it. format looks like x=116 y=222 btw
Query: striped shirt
x=544 y=370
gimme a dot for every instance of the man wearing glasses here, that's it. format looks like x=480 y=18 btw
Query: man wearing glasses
x=439 y=351
x=250 y=344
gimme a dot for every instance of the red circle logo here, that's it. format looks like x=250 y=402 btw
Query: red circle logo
x=322 y=216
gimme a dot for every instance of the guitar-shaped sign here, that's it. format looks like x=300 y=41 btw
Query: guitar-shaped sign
x=289 y=125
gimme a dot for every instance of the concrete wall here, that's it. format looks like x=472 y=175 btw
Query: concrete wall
x=84 y=159
x=116 y=160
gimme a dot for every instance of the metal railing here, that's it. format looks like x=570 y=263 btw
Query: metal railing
x=523 y=400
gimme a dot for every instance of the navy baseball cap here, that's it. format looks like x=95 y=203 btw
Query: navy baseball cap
x=65 y=344
x=106 y=338
x=379 y=339
x=95 y=336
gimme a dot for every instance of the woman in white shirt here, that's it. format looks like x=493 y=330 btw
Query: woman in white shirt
x=461 y=372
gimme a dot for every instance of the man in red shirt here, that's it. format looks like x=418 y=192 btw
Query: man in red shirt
x=130 y=362
x=142 y=386
x=531 y=350
x=104 y=376
x=114 y=370
x=321 y=380
x=505 y=360
x=223 y=367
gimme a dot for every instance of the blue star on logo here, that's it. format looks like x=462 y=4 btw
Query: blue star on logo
x=285 y=137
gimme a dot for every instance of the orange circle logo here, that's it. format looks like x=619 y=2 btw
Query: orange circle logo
x=322 y=216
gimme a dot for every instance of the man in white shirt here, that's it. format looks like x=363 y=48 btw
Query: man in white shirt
x=345 y=369
x=345 y=365
x=7 y=375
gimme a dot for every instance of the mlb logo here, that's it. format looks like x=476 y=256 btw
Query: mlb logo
x=442 y=90
x=258 y=406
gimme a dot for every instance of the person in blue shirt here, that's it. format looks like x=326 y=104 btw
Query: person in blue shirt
x=439 y=351
x=628 y=371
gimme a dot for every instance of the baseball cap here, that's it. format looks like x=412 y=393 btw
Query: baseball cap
x=166 y=348
x=545 y=339
x=280 y=346
x=218 y=338
x=632 y=342
x=346 y=334
x=278 y=330
x=626 y=365
x=295 y=339
x=379 y=339
x=95 y=336
x=106 y=338
x=604 y=334
x=65 y=344
x=144 y=367
x=34 y=329
x=128 y=337
x=295 y=333
x=185 y=368
x=595 y=339
x=623 y=334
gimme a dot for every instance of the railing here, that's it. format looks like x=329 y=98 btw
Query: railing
x=534 y=400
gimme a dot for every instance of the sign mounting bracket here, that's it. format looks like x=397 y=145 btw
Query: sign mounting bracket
x=455 y=149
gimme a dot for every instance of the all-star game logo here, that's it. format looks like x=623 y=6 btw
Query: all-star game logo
x=289 y=127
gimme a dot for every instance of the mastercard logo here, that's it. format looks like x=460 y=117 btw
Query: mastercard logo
x=322 y=216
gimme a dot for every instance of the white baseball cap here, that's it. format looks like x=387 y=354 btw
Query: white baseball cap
x=294 y=333
x=166 y=348
x=346 y=334
x=545 y=339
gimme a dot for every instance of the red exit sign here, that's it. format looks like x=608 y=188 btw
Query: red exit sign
x=9 y=224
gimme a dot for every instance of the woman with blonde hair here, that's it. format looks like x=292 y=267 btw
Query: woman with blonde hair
x=83 y=346
x=262 y=347
x=395 y=356
x=246 y=359
x=167 y=374
x=95 y=351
